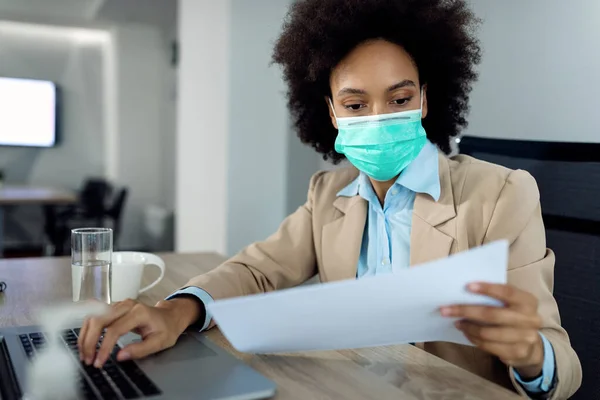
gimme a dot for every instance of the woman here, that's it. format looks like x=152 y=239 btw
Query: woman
x=385 y=84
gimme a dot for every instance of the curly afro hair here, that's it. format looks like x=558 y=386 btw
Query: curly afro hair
x=438 y=34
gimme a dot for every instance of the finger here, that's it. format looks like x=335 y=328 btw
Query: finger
x=96 y=325
x=134 y=320
x=82 y=332
x=499 y=334
x=509 y=295
x=118 y=328
x=151 y=344
x=80 y=337
x=510 y=354
x=492 y=316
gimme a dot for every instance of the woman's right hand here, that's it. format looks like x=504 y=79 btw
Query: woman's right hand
x=159 y=326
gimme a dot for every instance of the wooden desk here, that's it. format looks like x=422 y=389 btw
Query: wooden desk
x=26 y=195
x=20 y=195
x=393 y=372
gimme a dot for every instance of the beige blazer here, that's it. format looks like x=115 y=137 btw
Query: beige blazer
x=479 y=203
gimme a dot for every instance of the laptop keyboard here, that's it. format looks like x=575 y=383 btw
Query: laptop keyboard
x=116 y=380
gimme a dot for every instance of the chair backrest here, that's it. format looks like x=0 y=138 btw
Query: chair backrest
x=116 y=209
x=115 y=212
x=568 y=177
x=93 y=197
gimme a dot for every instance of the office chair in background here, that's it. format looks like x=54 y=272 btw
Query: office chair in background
x=96 y=207
x=568 y=177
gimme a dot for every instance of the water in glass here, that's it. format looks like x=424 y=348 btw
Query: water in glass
x=93 y=280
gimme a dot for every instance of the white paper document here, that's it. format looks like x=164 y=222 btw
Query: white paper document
x=397 y=308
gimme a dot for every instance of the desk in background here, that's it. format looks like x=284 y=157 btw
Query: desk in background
x=28 y=195
x=392 y=372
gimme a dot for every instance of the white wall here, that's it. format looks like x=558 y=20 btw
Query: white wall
x=74 y=59
x=302 y=163
x=168 y=134
x=259 y=126
x=241 y=170
x=140 y=75
x=202 y=125
x=540 y=75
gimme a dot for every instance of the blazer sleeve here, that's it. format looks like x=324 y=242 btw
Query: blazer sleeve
x=517 y=217
x=285 y=259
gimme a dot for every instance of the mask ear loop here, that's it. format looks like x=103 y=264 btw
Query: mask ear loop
x=422 y=92
x=332 y=107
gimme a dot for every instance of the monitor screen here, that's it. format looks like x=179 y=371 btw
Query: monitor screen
x=27 y=112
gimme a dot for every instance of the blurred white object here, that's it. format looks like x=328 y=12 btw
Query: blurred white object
x=53 y=374
x=158 y=228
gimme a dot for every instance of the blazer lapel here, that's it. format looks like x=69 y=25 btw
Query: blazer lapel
x=342 y=239
x=427 y=241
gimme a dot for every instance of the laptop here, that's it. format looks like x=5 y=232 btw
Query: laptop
x=194 y=368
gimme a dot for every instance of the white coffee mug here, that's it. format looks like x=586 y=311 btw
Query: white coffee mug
x=127 y=268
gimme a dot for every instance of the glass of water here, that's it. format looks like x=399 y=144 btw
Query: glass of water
x=91 y=254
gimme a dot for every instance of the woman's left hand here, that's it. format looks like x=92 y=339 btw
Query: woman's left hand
x=511 y=332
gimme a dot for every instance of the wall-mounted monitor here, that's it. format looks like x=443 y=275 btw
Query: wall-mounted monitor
x=28 y=113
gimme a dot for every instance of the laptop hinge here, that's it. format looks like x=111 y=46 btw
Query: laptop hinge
x=9 y=388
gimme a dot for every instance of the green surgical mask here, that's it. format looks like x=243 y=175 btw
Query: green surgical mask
x=381 y=145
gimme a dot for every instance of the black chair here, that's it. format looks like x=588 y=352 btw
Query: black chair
x=96 y=207
x=91 y=205
x=93 y=201
x=568 y=176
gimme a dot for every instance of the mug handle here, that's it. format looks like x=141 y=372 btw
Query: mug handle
x=152 y=259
